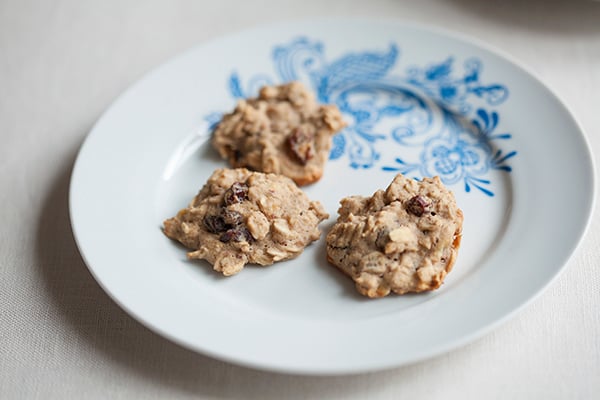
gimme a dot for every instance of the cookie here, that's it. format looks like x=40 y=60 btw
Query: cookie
x=282 y=131
x=402 y=239
x=241 y=217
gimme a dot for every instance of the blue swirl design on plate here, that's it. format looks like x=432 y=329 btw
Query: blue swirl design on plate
x=429 y=121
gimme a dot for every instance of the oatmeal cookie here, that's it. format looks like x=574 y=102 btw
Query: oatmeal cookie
x=242 y=217
x=282 y=131
x=402 y=239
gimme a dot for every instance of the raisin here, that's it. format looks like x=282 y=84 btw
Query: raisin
x=231 y=217
x=237 y=193
x=237 y=234
x=301 y=144
x=237 y=155
x=382 y=238
x=215 y=223
x=417 y=205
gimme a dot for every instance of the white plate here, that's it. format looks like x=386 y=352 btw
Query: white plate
x=419 y=101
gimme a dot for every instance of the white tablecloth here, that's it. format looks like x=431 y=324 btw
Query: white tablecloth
x=63 y=62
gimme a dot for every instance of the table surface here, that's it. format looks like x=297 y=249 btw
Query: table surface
x=63 y=62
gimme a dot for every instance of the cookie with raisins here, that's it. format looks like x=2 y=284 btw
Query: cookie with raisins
x=241 y=217
x=282 y=131
x=402 y=239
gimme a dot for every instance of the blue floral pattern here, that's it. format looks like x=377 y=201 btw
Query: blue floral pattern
x=437 y=120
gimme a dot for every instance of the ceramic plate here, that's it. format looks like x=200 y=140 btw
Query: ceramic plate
x=418 y=102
